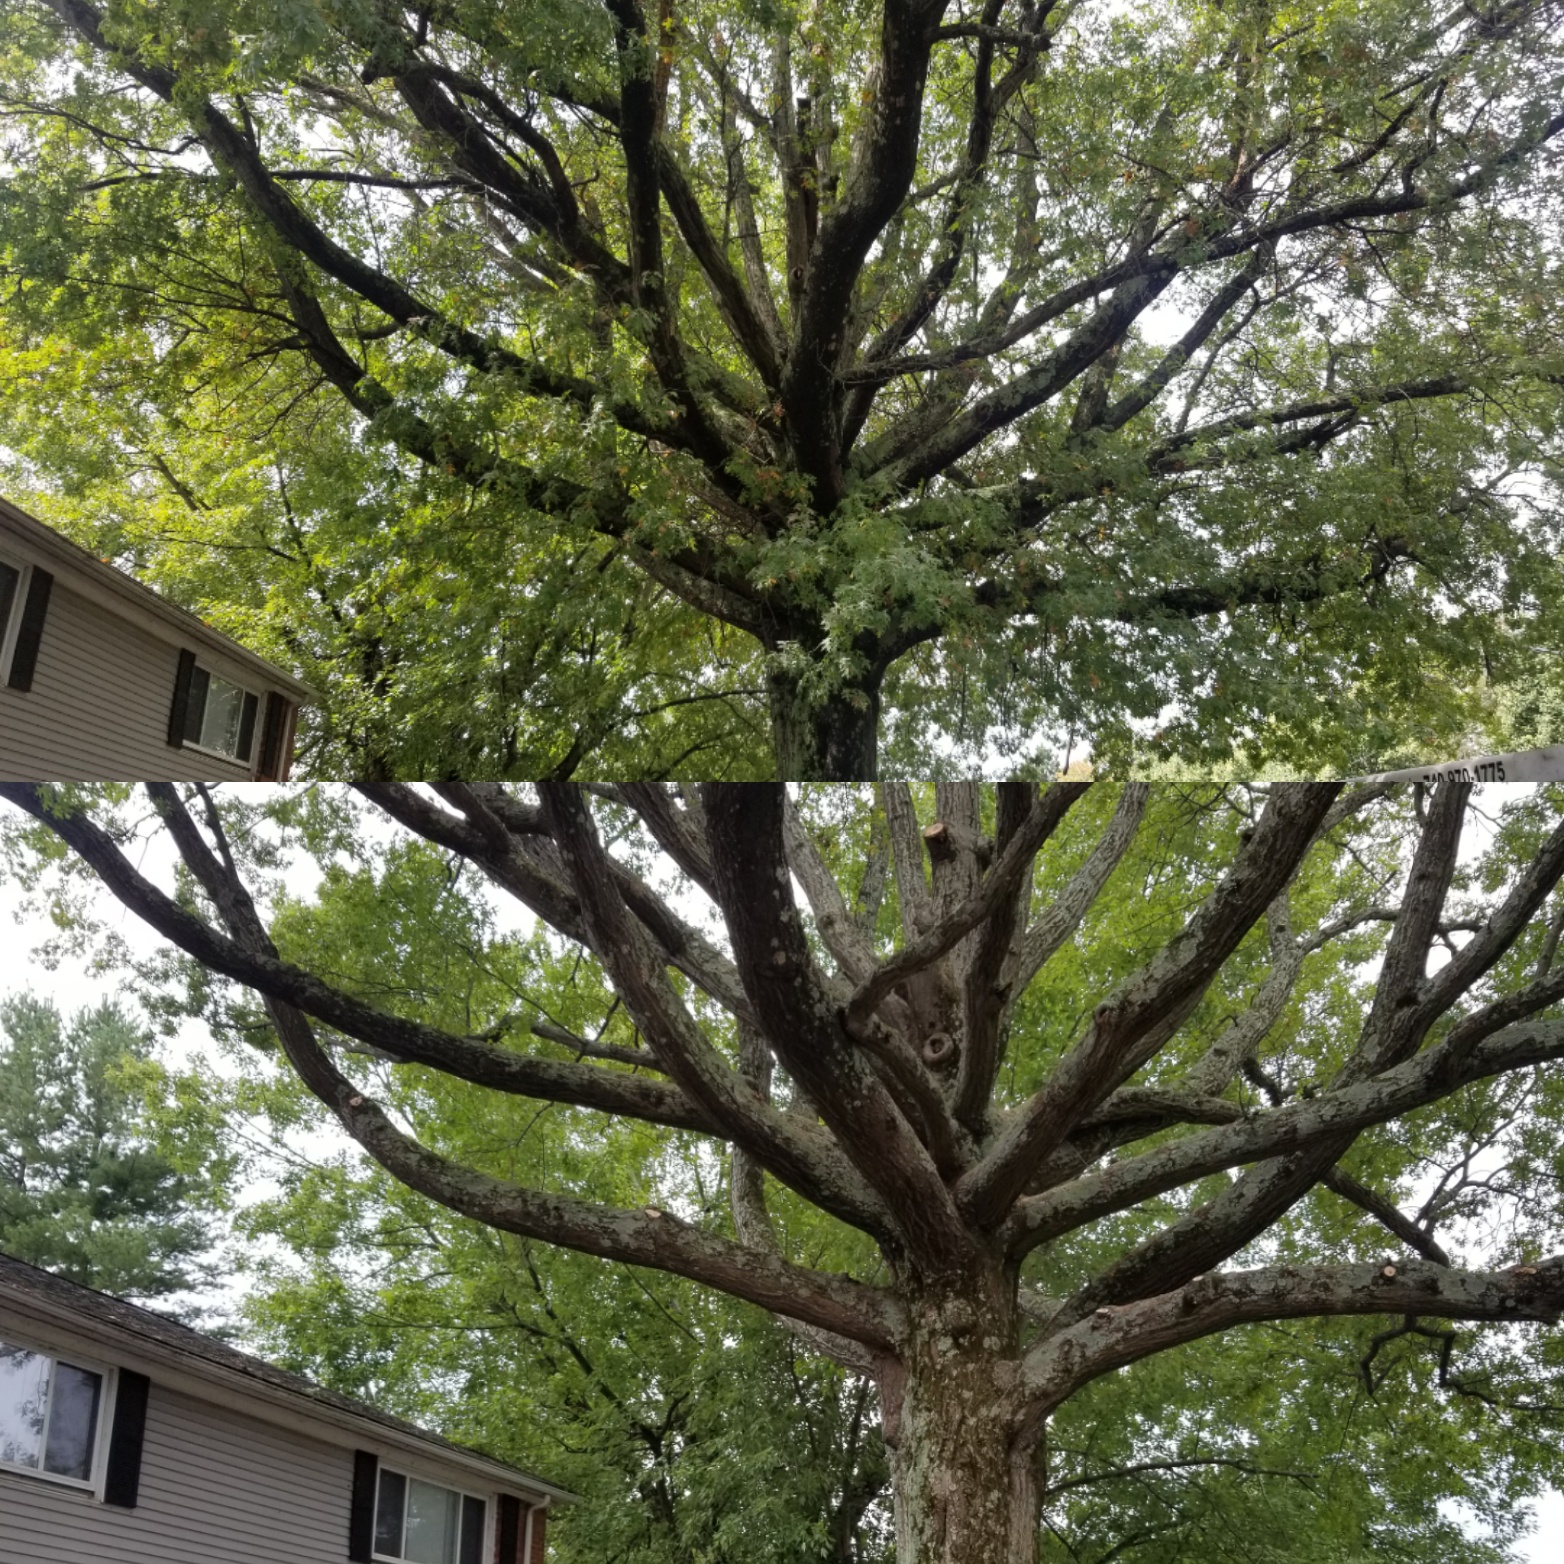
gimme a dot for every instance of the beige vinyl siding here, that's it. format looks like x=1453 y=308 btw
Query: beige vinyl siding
x=216 y=1488
x=98 y=709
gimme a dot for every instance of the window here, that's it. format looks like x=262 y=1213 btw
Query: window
x=214 y=718
x=211 y=713
x=426 y=1524
x=49 y=1415
x=24 y=604
x=10 y=597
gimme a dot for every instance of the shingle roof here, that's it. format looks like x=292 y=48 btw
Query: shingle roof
x=68 y=1302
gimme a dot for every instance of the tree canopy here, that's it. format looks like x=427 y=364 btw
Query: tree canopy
x=1248 y=1093
x=85 y=1190
x=728 y=387
x=691 y=1425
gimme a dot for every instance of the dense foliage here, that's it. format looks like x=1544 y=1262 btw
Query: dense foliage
x=85 y=1190
x=691 y=1426
x=727 y=387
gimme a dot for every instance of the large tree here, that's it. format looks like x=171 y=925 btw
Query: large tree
x=908 y=364
x=1049 y=1150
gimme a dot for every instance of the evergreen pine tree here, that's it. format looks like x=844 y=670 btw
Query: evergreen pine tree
x=83 y=1191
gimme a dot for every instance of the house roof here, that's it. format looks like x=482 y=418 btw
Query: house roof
x=138 y=601
x=111 y=1321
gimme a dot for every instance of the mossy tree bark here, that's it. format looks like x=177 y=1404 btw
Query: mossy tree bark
x=966 y=1467
x=831 y=736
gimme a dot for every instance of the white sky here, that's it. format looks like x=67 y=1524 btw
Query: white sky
x=72 y=985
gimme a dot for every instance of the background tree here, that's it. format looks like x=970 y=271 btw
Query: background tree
x=690 y=1424
x=85 y=1190
x=1037 y=1133
x=596 y=379
x=688 y=1420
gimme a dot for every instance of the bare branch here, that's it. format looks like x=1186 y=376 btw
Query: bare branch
x=847 y=942
x=744 y=826
x=796 y=1153
x=1001 y=882
x=912 y=888
x=1340 y=1112
x=1063 y=916
x=1385 y=1212
x=653 y=1238
x=548 y=1080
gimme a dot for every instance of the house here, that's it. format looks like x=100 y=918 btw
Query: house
x=127 y=1437
x=103 y=680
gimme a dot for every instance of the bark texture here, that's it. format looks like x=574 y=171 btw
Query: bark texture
x=834 y=737
x=965 y=1467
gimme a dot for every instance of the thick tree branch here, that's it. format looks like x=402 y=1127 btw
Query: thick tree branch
x=1002 y=882
x=884 y=163
x=985 y=994
x=793 y=1006
x=653 y=1238
x=1215 y=1070
x=795 y=1152
x=1223 y=302
x=676 y=832
x=1340 y=1113
x=744 y=320
x=548 y=1080
x=1063 y=915
x=912 y=886
x=500 y=838
x=1111 y=1338
x=1164 y=457
x=1127 y=1028
x=1386 y=1213
x=848 y=943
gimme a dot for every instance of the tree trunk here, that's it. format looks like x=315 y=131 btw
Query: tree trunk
x=964 y=1465
x=824 y=738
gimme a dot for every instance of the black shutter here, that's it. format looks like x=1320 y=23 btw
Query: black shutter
x=361 y=1517
x=273 y=726
x=246 y=726
x=176 y=717
x=123 y=1477
x=510 y=1529
x=29 y=635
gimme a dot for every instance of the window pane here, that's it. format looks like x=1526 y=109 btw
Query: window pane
x=24 y=1392
x=73 y=1421
x=195 y=706
x=472 y=1531
x=220 y=726
x=9 y=579
x=432 y=1517
x=388 y=1514
x=248 y=707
